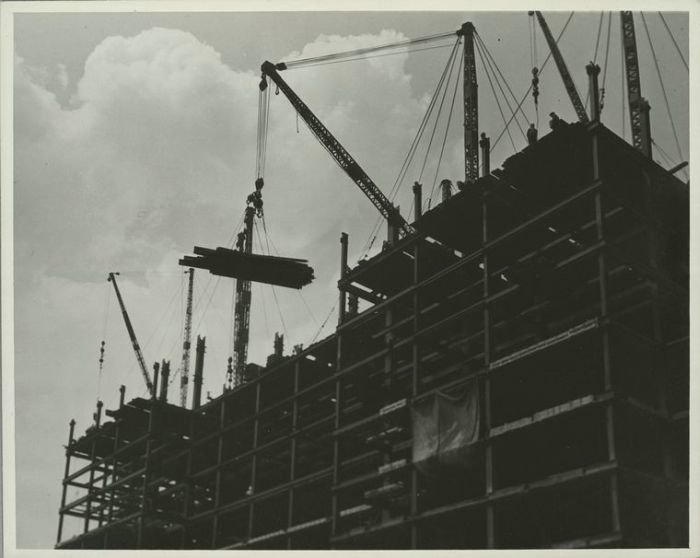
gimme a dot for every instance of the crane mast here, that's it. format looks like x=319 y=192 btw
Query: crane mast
x=638 y=106
x=336 y=149
x=471 y=107
x=132 y=335
x=184 y=377
x=563 y=70
x=241 y=320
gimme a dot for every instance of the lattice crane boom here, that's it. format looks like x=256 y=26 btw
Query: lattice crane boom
x=132 y=335
x=638 y=106
x=336 y=149
x=563 y=70
x=184 y=376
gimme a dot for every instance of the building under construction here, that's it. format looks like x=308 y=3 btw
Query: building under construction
x=518 y=379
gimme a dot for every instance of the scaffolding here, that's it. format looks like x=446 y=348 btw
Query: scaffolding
x=554 y=288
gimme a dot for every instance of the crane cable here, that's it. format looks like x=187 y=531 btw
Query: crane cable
x=367 y=57
x=339 y=56
x=678 y=49
x=488 y=66
x=268 y=235
x=437 y=119
x=413 y=148
x=663 y=88
x=328 y=317
x=549 y=56
x=503 y=78
x=595 y=53
x=532 y=27
x=444 y=138
x=605 y=64
x=274 y=292
x=498 y=103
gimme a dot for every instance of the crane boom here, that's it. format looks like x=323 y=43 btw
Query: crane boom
x=563 y=70
x=132 y=335
x=184 y=376
x=638 y=107
x=336 y=149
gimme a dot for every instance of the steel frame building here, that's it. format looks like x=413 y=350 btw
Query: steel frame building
x=557 y=286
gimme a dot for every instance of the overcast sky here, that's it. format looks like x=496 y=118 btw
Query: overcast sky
x=135 y=140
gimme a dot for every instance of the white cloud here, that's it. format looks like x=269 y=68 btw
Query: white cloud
x=154 y=154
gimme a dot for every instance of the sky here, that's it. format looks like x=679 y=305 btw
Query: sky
x=135 y=140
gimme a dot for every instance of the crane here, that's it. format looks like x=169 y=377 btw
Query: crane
x=336 y=149
x=471 y=106
x=638 y=106
x=241 y=323
x=184 y=377
x=132 y=335
x=563 y=70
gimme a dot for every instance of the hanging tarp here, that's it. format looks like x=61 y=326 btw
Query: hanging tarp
x=445 y=429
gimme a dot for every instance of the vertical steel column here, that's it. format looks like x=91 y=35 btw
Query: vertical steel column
x=485 y=144
x=293 y=452
x=336 y=453
x=471 y=107
x=198 y=372
x=164 y=376
x=414 y=382
x=417 y=200
x=219 y=459
x=605 y=328
x=185 y=539
x=254 y=459
x=593 y=92
x=88 y=505
x=66 y=472
x=660 y=356
x=342 y=295
x=146 y=466
x=115 y=464
x=488 y=461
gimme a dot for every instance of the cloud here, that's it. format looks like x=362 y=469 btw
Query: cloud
x=156 y=153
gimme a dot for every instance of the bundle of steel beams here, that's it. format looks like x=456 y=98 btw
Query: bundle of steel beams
x=273 y=270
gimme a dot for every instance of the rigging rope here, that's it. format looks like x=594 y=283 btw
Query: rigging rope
x=274 y=247
x=503 y=78
x=323 y=325
x=498 y=103
x=595 y=52
x=437 y=120
x=492 y=64
x=414 y=50
x=549 y=55
x=447 y=129
x=663 y=88
x=367 y=50
x=678 y=49
x=605 y=64
x=413 y=148
x=274 y=292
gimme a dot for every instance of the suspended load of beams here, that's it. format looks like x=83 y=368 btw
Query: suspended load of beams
x=273 y=270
